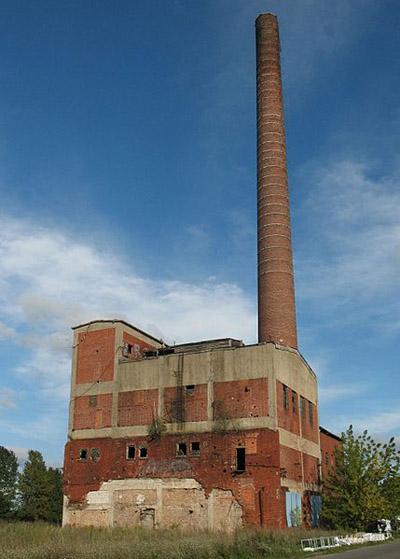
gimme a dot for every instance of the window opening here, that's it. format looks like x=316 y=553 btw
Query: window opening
x=189 y=389
x=95 y=454
x=130 y=452
x=310 y=412
x=294 y=401
x=240 y=459
x=302 y=407
x=143 y=452
x=93 y=401
x=83 y=454
x=326 y=458
x=127 y=350
x=182 y=449
x=195 y=449
x=285 y=397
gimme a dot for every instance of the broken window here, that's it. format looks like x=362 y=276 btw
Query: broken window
x=294 y=401
x=130 y=452
x=194 y=449
x=93 y=401
x=189 y=389
x=94 y=454
x=181 y=449
x=240 y=459
x=285 y=397
x=302 y=407
x=143 y=452
x=83 y=454
x=127 y=350
x=310 y=412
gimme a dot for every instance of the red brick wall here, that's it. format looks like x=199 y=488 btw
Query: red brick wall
x=287 y=417
x=137 y=407
x=309 y=430
x=311 y=469
x=214 y=467
x=241 y=398
x=92 y=417
x=328 y=446
x=96 y=352
x=291 y=463
x=137 y=345
x=194 y=403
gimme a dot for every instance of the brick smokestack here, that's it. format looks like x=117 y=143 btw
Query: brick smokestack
x=276 y=304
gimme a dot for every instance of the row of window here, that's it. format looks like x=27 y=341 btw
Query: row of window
x=133 y=452
x=303 y=402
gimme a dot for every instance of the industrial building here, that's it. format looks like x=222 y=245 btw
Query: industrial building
x=214 y=434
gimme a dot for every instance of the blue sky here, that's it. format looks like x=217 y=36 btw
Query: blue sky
x=127 y=187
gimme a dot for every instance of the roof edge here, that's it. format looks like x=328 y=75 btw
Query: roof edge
x=119 y=320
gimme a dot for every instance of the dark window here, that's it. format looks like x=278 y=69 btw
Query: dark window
x=294 y=401
x=127 y=350
x=181 y=449
x=194 y=449
x=310 y=412
x=326 y=458
x=93 y=401
x=83 y=454
x=302 y=407
x=285 y=397
x=189 y=389
x=94 y=454
x=240 y=459
x=143 y=452
x=130 y=452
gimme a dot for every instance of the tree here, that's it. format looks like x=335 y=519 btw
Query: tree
x=56 y=503
x=8 y=482
x=34 y=489
x=40 y=491
x=363 y=486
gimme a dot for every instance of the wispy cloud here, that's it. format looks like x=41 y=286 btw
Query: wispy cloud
x=52 y=281
x=349 y=265
x=9 y=398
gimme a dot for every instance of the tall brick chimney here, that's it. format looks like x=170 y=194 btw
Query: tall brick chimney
x=276 y=304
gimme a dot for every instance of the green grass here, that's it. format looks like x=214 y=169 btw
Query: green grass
x=43 y=541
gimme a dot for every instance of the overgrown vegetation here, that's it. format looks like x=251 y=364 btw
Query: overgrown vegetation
x=157 y=428
x=364 y=484
x=222 y=422
x=35 y=494
x=43 y=541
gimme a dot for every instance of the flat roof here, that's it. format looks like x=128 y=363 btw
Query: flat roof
x=113 y=320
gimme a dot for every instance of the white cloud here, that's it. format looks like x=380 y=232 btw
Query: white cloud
x=20 y=453
x=330 y=393
x=8 y=398
x=349 y=265
x=53 y=281
x=6 y=332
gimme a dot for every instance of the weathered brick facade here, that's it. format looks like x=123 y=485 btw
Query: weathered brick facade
x=213 y=434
